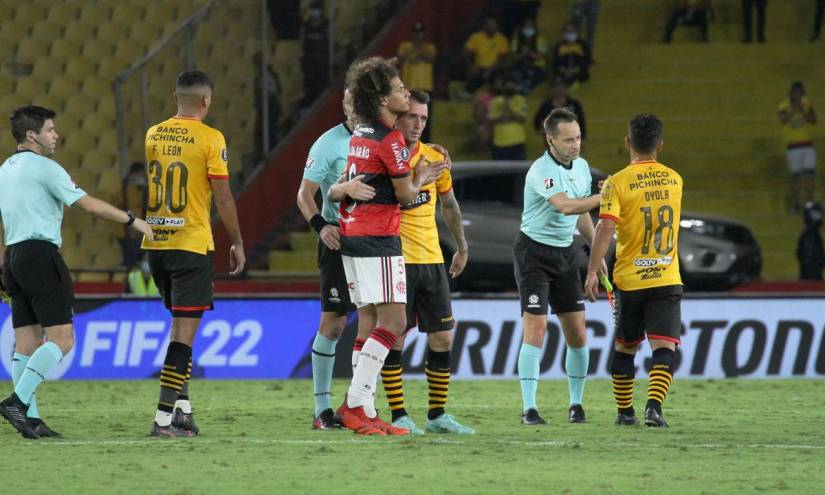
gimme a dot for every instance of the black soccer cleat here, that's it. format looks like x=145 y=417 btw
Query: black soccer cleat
x=327 y=420
x=627 y=420
x=654 y=418
x=531 y=418
x=170 y=431
x=185 y=421
x=13 y=409
x=43 y=431
x=576 y=414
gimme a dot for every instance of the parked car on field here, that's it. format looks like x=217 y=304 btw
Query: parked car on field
x=715 y=253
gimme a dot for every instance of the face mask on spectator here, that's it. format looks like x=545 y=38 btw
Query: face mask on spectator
x=144 y=266
x=315 y=13
x=570 y=37
x=528 y=31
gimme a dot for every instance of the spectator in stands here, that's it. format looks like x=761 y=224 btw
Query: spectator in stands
x=809 y=250
x=747 y=19
x=416 y=58
x=508 y=113
x=139 y=281
x=135 y=190
x=820 y=12
x=586 y=12
x=559 y=97
x=481 y=109
x=484 y=49
x=797 y=117
x=528 y=51
x=691 y=13
x=571 y=57
x=315 y=57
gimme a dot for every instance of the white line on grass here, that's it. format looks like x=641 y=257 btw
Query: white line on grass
x=437 y=440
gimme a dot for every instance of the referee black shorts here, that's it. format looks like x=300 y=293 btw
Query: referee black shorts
x=655 y=312
x=184 y=280
x=334 y=290
x=546 y=275
x=428 y=298
x=39 y=284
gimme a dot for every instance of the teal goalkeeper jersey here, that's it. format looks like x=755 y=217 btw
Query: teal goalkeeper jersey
x=540 y=220
x=326 y=163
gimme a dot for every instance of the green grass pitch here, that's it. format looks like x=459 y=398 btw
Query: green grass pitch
x=726 y=437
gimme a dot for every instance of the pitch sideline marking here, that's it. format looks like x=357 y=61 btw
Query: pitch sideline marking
x=538 y=443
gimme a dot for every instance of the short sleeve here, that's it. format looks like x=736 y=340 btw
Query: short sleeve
x=610 y=207
x=546 y=185
x=444 y=182
x=317 y=165
x=503 y=46
x=394 y=155
x=217 y=161
x=430 y=49
x=495 y=109
x=61 y=186
x=404 y=49
x=472 y=43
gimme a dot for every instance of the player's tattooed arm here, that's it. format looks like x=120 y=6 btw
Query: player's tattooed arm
x=452 y=215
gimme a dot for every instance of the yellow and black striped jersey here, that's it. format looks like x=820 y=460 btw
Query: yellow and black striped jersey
x=645 y=201
x=182 y=156
x=419 y=234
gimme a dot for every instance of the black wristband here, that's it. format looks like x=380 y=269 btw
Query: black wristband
x=317 y=222
x=131 y=218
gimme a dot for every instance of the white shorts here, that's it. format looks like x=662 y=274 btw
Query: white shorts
x=377 y=280
x=801 y=160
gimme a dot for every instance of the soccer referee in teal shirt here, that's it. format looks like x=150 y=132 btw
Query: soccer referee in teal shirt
x=557 y=200
x=33 y=190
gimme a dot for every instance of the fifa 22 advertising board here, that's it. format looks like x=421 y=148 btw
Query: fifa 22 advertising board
x=272 y=338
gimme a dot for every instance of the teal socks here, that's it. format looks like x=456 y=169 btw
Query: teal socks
x=323 y=360
x=36 y=370
x=577 y=363
x=529 y=359
x=18 y=365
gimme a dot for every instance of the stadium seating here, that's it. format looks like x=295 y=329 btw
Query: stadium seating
x=718 y=102
x=66 y=54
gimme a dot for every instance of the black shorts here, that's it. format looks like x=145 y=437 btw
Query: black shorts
x=546 y=275
x=334 y=290
x=655 y=312
x=428 y=298
x=39 y=284
x=183 y=278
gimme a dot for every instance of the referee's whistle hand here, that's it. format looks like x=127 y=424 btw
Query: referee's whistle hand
x=141 y=226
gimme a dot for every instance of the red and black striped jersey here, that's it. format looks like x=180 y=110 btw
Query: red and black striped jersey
x=370 y=228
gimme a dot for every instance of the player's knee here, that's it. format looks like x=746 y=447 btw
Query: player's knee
x=626 y=349
x=577 y=339
x=63 y=340
x=332 y=325
x=440 y=341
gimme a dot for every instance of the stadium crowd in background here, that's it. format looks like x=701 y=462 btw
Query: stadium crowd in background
x=559 y=97
x=748 y=7
x=416 y=58
x=571 y=57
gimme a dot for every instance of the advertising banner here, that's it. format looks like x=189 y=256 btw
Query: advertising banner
x=272 y=338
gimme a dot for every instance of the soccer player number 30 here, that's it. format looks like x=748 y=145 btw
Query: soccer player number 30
x=175 y=197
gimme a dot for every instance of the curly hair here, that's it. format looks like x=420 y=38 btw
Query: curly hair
x=369 y=80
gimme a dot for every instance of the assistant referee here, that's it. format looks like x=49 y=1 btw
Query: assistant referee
x=33 y=190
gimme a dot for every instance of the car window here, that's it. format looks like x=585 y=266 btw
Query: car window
x=506 y=189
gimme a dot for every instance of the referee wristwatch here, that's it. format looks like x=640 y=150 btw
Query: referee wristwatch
x=131 y=218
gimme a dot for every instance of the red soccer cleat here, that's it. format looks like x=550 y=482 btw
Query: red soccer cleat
x=355 y=419
x=388 y=428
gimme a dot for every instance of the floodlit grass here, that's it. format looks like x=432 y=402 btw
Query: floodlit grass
x=726 y=437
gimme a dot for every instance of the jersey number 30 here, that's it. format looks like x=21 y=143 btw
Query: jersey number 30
x=162 y=188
